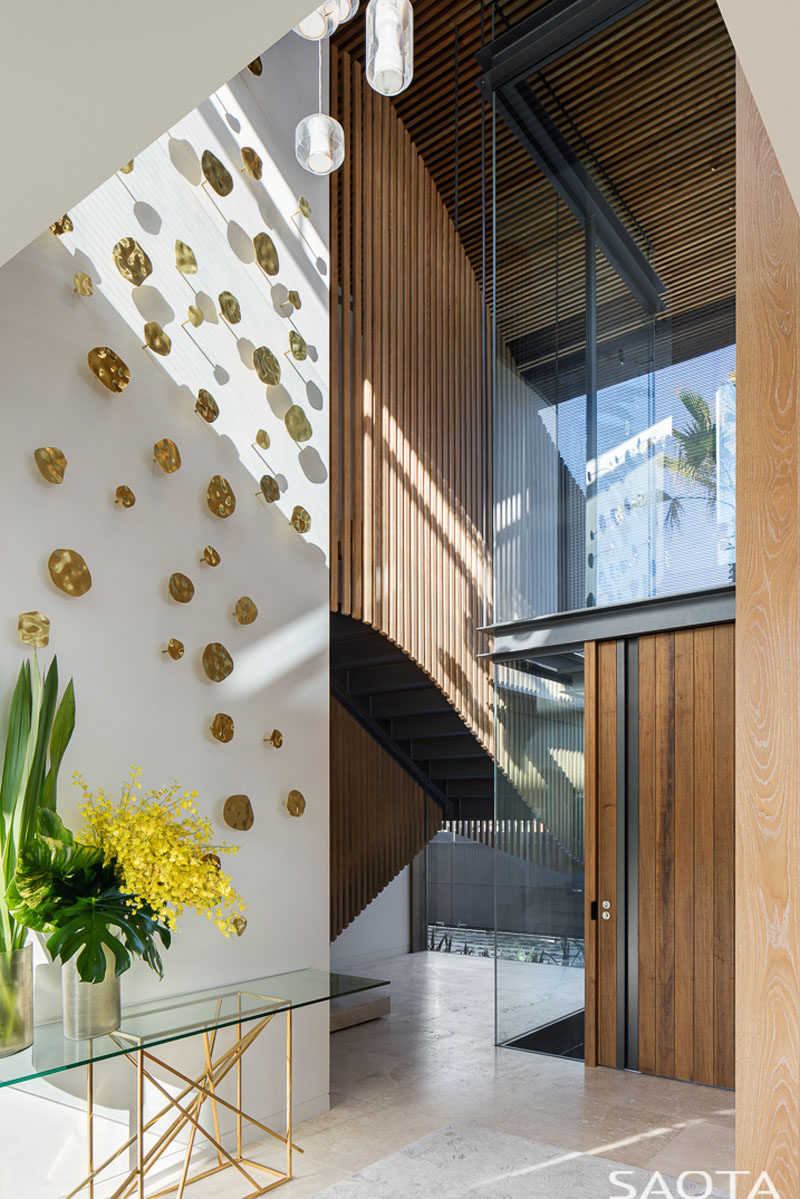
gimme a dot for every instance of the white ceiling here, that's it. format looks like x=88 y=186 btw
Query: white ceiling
x=86 y=85
x=766 y=35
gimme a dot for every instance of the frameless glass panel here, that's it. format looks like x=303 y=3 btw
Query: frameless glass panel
x=539 y=855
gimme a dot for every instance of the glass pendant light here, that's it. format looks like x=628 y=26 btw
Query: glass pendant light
x=322 y=22
x=319 y=139
x=390 y=46
x=347 y=10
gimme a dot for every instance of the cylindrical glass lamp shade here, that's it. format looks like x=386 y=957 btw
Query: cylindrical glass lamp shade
x=390 y=46
x=322 y=22
x=319 y=144
x=347 y=10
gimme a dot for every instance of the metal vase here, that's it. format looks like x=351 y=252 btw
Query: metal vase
x=16 y=1000
x=90 y=1009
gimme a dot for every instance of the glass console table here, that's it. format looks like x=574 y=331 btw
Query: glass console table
x=247 y=1008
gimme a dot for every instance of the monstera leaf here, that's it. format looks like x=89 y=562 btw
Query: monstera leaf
x=50 y=874
x=101 y=922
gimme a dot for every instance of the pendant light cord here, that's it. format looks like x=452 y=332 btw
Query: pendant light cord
x=319 y=46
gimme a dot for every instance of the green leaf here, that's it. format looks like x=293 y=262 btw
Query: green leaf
x=63 y=728
x=26 y=819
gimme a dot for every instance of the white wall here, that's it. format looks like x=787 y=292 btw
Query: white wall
x=135 y=704
x=382 y=929
x=84 y=88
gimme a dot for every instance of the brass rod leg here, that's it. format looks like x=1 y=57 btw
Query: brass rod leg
x=140 y=1119
x=239 y=1092
x=210 y=1078
x=90 y=1123
x=289 y=1092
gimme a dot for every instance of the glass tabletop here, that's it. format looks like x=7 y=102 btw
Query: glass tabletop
x=175 y=1017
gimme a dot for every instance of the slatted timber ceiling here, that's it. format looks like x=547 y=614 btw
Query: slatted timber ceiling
x=380 y=819
x=410 y=441
x=648 y=107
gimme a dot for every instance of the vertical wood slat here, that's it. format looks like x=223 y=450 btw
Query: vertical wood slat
x=704 y=880
x=336 y=399
x=684 y=841
x=724 y=857
x=590 y=887
x=665 y=854
x=344 y=272
x=607 y=852
x=647 y=864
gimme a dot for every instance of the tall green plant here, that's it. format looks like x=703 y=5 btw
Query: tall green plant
x=36 y=741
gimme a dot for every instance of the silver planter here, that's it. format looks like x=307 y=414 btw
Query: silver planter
x=90 y=1009
x=16 y=1000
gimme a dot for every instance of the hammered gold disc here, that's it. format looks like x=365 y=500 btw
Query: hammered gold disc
x=51 y=463
x=167 y=455
x=127 y=168
x=298 y=346
x=62 y=225
x=255 y=67
x=270 y=489
x=297 y=425
x=211 y=556
x=83 y=285
x=239 y=925
x=300 y=520
x=181 y=587
x=262 y=439
x=175 y=649
x=275 y=738
x=156 y=339
x=222 y=727
x=217 y=662
x=267 y=366
x=195 y=315
x=218 y=176
x=238 y=813
x=252 y=162
x=304 y=206
x=220 y=498
x=266 y=254
x=206 y=406
x=294 y=299
x=106 y=366
x=185 y=260
x=33 y=629
x=69 y=572
x=229 y=307
x=295 y=803
x=131 y=261
x=125 y=496
x=213 y=859
x=245 y=610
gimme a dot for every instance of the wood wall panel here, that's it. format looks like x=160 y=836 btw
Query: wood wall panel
x=409 y=441
x=686 y=857
x=768 y=674
x=380 y=819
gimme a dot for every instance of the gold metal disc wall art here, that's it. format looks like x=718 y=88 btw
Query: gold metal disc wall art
x=237 y=813
x=181 y=587
x=194 y=315
x=131 y=261
x=222 y=727
x=213 y=859
x=51 y=463
x=229 y=307
x=69 y=572
x=167 y=455
x=109 y=368
x=127 y=168
x=123 y=495
x=298 y=346
x=255 y=67
x=267 y=366
x=217 y=662
x=33 y=629
x=83 y=285
x=175 y=649
x=262 y=439
x=211 y=556
x=252 y=162
x=185 y=260
x=62 y=225
x=295 y=803
x=156 y=339
x=206 y=406
x=245 y=610
x=239 y=925
x=275 y=738
x=217 y=175
x=297 y=424
x=294 y=299
x=300 y=520
x=220 y=498
x=270 y=489
x=266 y=254
x=304 y=206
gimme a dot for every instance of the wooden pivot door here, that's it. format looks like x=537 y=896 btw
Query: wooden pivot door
x=660 y=854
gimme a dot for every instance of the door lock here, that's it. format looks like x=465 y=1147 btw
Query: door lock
x=606 y=909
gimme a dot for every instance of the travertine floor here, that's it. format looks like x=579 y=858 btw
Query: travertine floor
x=433 y=1061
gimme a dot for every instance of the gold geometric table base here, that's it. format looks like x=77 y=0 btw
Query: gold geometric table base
x=202 y=1090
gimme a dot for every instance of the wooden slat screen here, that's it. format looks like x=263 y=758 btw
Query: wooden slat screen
x=411 y=433
x=379 y=818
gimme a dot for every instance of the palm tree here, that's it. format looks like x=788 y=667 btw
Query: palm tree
x=696 y=461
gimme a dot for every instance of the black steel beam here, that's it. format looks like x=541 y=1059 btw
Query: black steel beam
x=447 y=747
x=431 y=724
x=411 y=702
x=465 y=768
